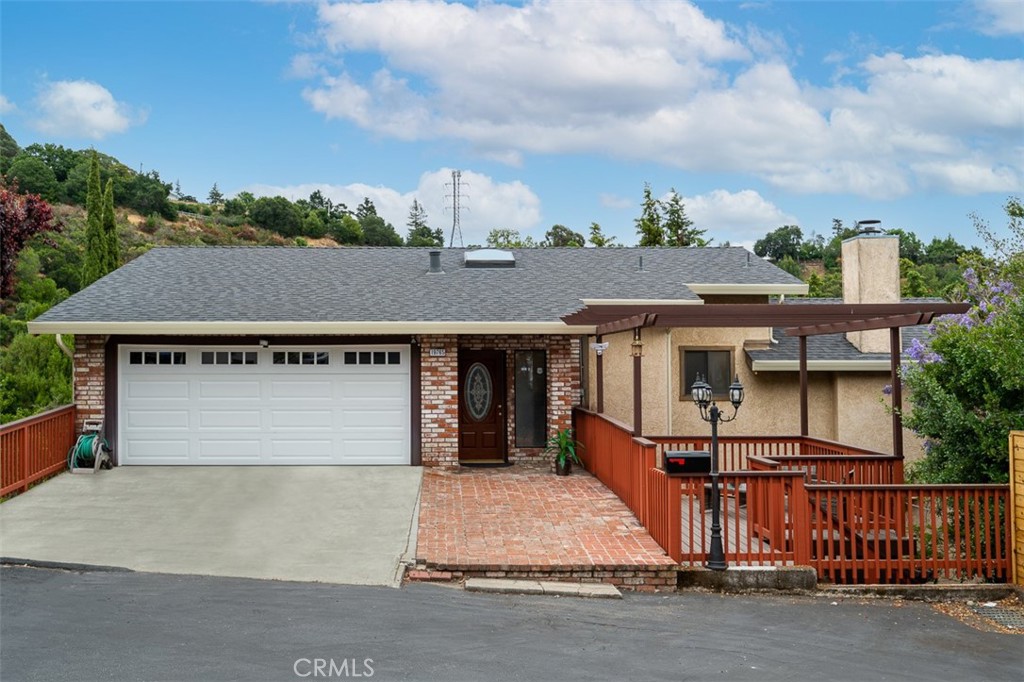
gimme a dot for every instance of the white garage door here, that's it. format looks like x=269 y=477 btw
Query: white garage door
x=246 y=405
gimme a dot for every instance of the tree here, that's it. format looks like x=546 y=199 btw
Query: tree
x=966 y=389
x=365 y=209
x=36 y=376
x=215 y=198
x=560 y=235
x=378 y=232
x=313 y=225
x=648 y=225
x=8 y=149
x=911 y=246
x=34 y=177
x=240 y=204
x=113 y=245
x=781 y=242
x=22 y=216
x=509 y=239
x=420 y=233
x=912 y=283
x=346 y=230
x=94 y=264
x=789 y=264
x=276 y=214
x=598 y=238
x=60 y=159
x=679 y=229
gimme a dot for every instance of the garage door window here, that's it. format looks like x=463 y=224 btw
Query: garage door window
x=301 y=357
x=378 y=357
x=229 y=357
x=156 y=357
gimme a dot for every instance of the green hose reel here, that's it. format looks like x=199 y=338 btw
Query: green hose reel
x=91 y=451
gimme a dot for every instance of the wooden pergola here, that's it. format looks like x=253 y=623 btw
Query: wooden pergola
x=798 y=320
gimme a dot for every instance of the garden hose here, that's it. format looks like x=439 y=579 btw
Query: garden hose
x=85 y=451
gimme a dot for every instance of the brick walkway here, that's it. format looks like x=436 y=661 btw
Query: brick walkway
x=521 y=522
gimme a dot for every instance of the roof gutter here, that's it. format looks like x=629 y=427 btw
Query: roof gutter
x=312 y=328
x=821 y=365
x=799 y=289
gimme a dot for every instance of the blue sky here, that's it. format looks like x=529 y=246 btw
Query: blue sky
x=760 y=114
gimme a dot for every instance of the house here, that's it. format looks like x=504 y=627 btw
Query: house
x=252 y=355
x=848 y=374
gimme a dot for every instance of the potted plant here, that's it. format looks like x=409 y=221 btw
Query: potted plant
x=564 y=446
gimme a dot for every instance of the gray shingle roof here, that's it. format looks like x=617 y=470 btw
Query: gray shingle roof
x=388 y=284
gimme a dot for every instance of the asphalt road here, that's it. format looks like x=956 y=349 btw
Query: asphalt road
x=57 y=625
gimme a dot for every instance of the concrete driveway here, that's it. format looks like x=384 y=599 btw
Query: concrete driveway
x=351 y=525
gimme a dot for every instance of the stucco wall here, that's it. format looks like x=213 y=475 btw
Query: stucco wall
x=842 y=406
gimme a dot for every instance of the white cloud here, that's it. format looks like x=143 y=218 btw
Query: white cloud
x=6 y=105
x=1000 y=17
x=82 y=108
x=662 y=82
x=615 y=201
x=486 y=204
x=738 y=217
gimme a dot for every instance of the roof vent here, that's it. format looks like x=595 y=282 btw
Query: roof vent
x=435 y=263
x=490 y=258
x=868 y=227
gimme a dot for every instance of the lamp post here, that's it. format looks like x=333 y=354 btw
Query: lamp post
x=703 y=398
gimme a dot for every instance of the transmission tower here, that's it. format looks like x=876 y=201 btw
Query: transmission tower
x=456 y=205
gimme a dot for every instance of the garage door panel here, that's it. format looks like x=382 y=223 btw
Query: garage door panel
x=258 y=412
x=302 y=390
x=157 y=390
x=156 y=419
x=235 y=390
x=302 y=419
x=369 y=419
x=232 y=449
x=302 y=449
x=370 y=389
x=160 y=448
x=230 y=419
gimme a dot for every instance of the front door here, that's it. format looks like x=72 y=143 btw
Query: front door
x=482 y=406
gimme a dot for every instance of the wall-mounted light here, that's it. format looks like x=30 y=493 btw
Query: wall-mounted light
x=599 y=348
x=637 y=347
x=264 y=343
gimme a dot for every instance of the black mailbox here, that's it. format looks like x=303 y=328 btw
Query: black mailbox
x=687 y=462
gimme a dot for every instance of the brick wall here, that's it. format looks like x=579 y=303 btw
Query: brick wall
x=89 y=378
x=440 y=390
x=439 y=402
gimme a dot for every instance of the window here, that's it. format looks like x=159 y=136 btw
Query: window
x=714 y=364
x=232 y=357
x=301 y=357
x=157 y=357
x=377 y=357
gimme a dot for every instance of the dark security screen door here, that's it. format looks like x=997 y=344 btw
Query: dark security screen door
x=482 y=406
x=531 y=398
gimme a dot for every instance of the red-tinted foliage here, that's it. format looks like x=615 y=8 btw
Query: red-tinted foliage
x=22 y=216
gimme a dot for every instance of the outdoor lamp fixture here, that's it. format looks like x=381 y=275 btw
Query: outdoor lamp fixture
x=637 y=347
x=703 y=398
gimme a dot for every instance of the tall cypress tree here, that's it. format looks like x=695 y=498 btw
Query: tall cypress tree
x=110 y=229
x=94 y=262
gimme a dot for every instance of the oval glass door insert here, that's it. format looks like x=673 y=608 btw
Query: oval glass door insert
x=478 y=391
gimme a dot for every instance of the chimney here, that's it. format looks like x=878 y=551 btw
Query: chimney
x=435 y=263
x=871 y=274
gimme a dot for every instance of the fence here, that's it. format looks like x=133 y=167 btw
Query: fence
x=34 y=448
x=809 y=502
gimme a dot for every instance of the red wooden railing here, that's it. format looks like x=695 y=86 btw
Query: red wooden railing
x=735 y=451
x=909 y=533
x=35 y=447
x=805 y=501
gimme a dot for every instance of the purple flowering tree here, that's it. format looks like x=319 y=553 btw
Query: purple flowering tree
x=966 y=388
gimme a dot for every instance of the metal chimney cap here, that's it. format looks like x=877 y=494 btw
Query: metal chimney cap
x=868 y=226
x=435 y=263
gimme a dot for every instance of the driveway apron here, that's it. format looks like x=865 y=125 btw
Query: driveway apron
x=350 y=525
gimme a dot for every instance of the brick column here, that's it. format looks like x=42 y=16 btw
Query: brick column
x=439 y=407
x=89 y=378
